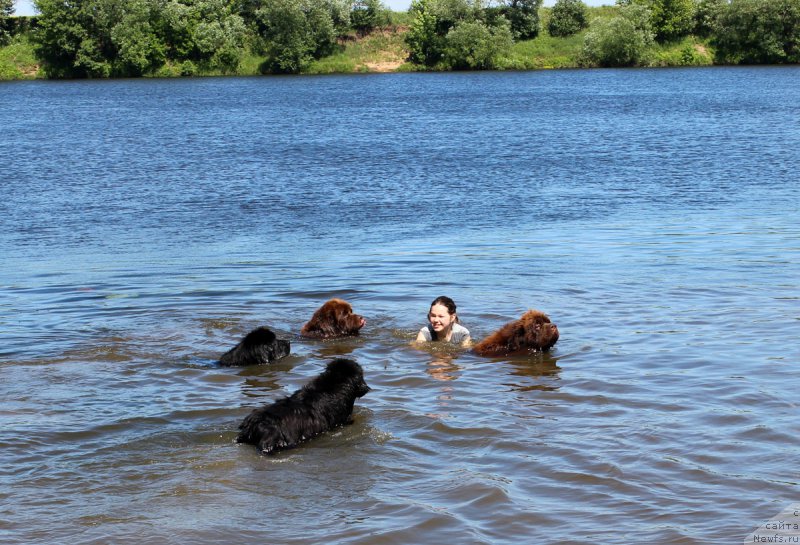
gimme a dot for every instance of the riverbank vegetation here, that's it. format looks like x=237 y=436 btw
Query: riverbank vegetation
x=131 y=38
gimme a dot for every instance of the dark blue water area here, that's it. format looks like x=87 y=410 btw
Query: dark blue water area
x=210 y=170
x=146 y=225
x=301 y=157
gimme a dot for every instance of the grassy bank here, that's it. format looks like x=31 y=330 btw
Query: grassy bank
x=17 y=60
x=386 y=51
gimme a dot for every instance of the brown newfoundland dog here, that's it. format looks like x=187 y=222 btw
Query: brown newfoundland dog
x=533 y=332
x=333 y=319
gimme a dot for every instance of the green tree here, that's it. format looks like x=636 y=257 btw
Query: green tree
x=622 y=40
x=425 y=45
x=705 y=16
x=100 y=38
x=283 y=27
x=320 y=28
x=341 y=15
x=758 y=32
x=207 y=33
x=450 y=12
x=472 y=45
x=6 y=9
x=368 y=15
x=431 y=21
x=567 y=17
x=295 y=32
x=69 y=42
x=139 y=47
x=524 y=18
x=670 y=19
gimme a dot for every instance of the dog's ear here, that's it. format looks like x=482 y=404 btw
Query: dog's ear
x=343 y=319
x=330 y=319
x=516 y=339
x=532 y=333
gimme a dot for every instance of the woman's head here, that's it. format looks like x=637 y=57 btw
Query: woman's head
x=442 y=315
x=445 y=302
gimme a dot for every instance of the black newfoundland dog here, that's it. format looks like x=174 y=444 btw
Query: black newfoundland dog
x=259 y=346
x=321 y=405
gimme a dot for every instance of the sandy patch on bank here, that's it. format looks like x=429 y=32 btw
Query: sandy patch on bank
x=383 y=66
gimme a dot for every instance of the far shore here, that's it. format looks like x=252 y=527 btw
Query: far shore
x=384 y=50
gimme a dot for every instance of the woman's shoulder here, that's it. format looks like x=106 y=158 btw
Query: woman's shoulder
x=460 y=329
x=459 y=334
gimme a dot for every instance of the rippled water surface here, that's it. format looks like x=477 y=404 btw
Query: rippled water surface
x=146 y=225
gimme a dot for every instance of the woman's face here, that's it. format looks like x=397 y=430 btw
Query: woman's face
x=440 y=318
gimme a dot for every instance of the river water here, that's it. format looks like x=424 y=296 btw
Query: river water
x=146 y=225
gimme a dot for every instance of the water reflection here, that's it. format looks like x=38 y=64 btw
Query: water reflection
x=533 y=369
x=443 y=367
x=261 y=381
x=441 y=359
x=440 y=364
x=340 y=348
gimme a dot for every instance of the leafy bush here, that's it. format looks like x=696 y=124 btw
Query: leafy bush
x=17 y=60
x=705 y=16
x=432 y=20
x=139 y=48
x=368 y=15
x=209 y=33
x=567 y=18
x=295 y=32
x=283 y=26
x=472 y=45
x=670 y=19
x=687 y=52
x=101 y=38
x=6 y=9
x=758 y=31
x=623 y=40
x=524 y=18
x=70 y=42
x=425 y=45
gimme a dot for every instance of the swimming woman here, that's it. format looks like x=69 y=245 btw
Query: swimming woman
x=444 y=325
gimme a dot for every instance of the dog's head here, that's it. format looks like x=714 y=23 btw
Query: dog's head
x=280 y=349
x=532 y=332
x=347 y=374
x=265 y=340
x=535 y=331
x=335 y=318
x=258 y=347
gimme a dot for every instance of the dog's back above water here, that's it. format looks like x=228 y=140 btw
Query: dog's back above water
x=321 y=405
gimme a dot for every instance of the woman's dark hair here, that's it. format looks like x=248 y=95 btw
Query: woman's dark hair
x=446 y=302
